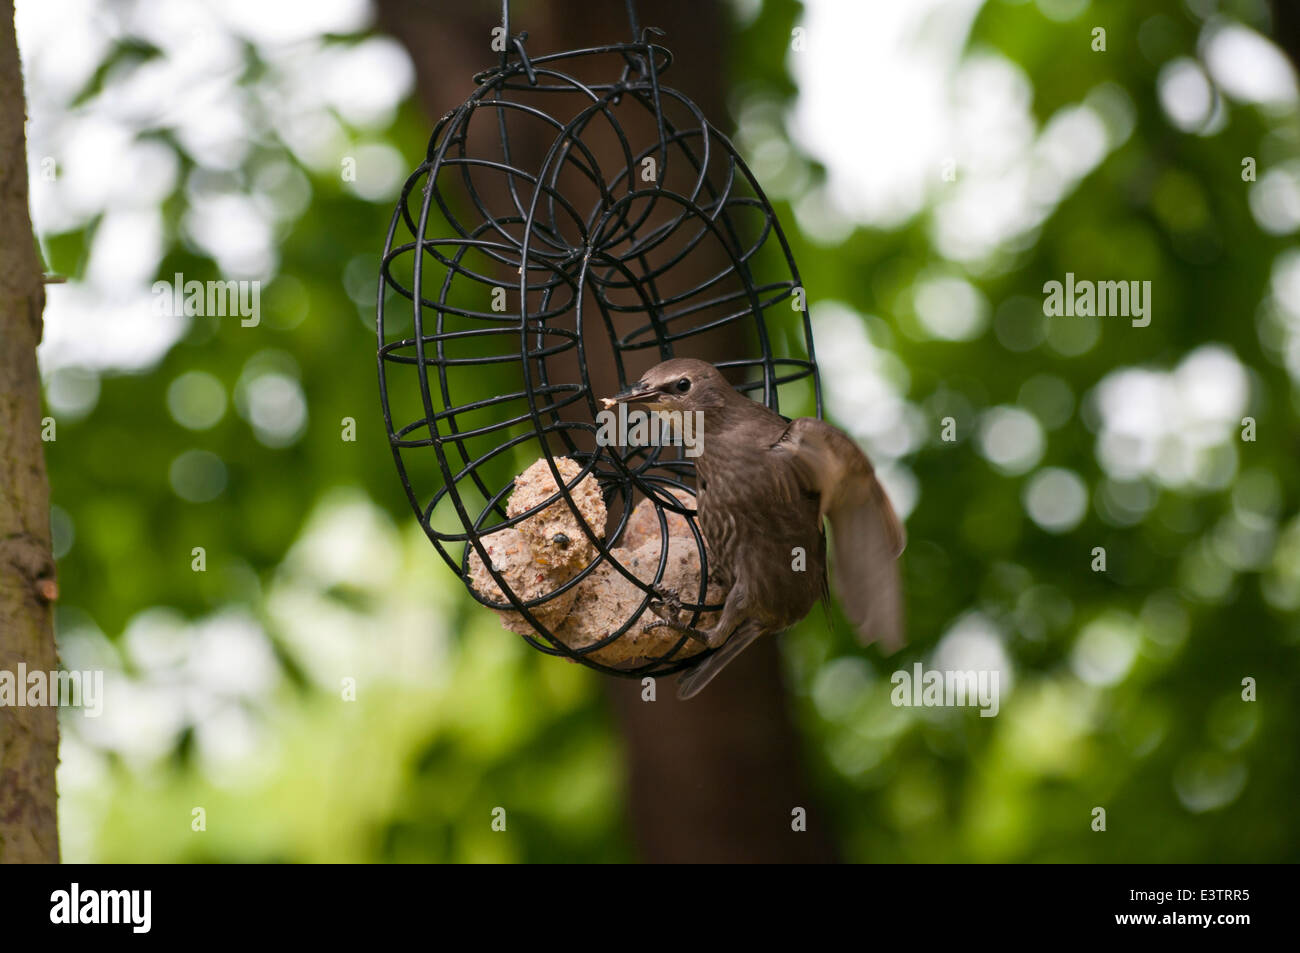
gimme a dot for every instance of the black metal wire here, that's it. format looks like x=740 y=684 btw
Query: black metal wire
x=570 y=234
x=632 y=21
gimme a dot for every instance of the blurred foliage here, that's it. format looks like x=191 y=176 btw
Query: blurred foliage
x=311 y=547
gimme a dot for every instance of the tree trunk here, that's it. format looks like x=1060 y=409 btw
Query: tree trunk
x=29 y=736
x=718 y=778
x=1286 y=29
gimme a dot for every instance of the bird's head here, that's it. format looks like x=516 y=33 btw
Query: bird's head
x=682 y=383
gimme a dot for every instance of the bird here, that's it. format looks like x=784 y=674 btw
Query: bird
x=765 y=487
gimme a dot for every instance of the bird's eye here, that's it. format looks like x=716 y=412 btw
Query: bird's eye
x=683 y=385
x=559 y=539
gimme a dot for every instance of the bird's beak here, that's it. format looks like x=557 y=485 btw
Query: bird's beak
x=632 y=395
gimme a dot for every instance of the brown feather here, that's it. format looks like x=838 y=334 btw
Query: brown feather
x=867 y=535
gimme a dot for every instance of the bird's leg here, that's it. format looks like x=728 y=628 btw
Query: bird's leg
x=699 y=635
x=732 y=611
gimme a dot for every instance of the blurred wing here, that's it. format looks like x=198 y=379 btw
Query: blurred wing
x=868 y=537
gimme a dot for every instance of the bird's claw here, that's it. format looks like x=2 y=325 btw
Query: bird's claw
x=668 y=607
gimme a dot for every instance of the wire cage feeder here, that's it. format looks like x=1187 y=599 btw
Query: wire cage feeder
x=574 y=219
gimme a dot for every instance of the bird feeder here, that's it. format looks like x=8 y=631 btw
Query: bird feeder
x=574 y=218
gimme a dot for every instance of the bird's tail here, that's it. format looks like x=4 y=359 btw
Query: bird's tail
x=693 y=682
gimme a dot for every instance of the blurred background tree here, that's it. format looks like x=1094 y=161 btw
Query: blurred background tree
x=230 y=559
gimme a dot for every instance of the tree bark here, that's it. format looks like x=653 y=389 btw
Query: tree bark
x=29 y=736
x=1286 y=29
x=716 y=779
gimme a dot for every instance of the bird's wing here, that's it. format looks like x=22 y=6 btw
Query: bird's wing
x=694 y=680
x=868 y=536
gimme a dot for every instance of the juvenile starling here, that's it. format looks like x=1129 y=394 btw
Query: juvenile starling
x=764 y=486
